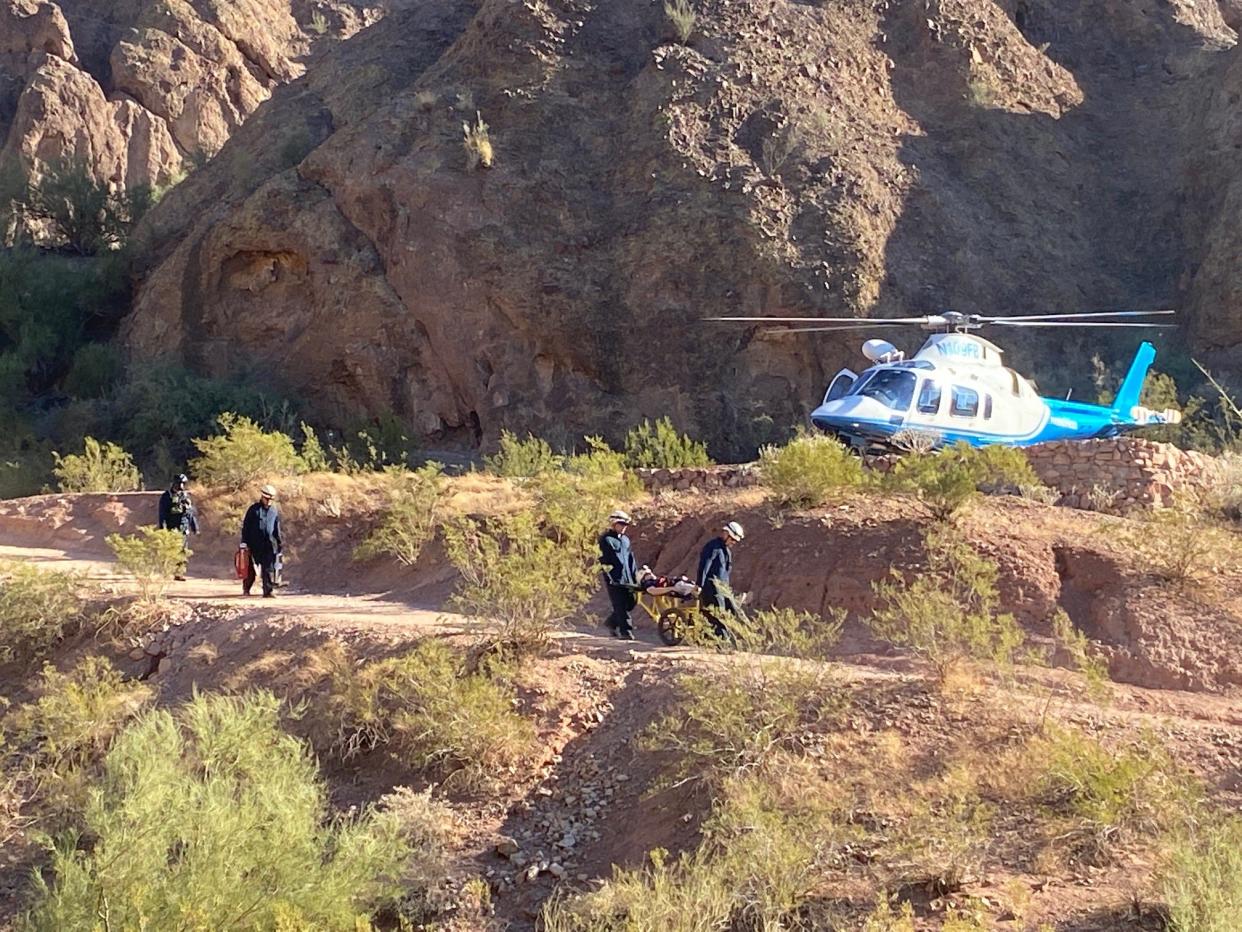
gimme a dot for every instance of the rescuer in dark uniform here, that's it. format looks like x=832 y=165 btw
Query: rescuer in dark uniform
x=620 y=574
x=715 y=564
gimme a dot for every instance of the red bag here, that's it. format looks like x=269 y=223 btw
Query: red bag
x=241 y=563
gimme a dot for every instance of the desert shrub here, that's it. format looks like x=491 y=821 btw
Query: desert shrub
x=25 y=468
x=314 y=458
x=681 y=19
x=1077 y=650
x=949 y=614
x=732 y=722
x=658 y=445
x=426 y=709
x=1179 y=546
x=64 y=733
x=1200 y=877
x=517 y=578
x=1109 y=794
x=244 y=453
x=947 y=479
x=409 y=521
x=382 y=442
x=808 y=470
x=941 y=833
x=95 y=368
x=787 y=631
x=522 y=458
x=756 y=868
x=153 y=557
x=477 y=140
x=215 y=818
x=37 y=609
x=98 y=468
x=574 y=501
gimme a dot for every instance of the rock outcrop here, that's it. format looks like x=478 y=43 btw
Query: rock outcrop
x=854 y=158
x=137 y=91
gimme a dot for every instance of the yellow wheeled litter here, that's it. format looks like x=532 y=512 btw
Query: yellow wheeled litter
x=672 y=612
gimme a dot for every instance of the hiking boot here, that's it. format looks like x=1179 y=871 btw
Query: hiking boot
x=179 y=578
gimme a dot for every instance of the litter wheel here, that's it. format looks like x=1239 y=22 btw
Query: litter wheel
x=673 y=623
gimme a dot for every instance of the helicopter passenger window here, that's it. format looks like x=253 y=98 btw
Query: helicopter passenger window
x=987 y=406
x=929 y=397
x=893 y=388
x=965 y=402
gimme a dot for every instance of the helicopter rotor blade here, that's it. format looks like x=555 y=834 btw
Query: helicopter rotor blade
x=1074 y=323
x=1084 y=316
x=862 y=321
x=871 y=325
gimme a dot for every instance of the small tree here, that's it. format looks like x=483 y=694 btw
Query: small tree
x=244 y=453
x=153 y=557
x=658 y=445
x=37 y=609
x=808 y=470
x=948 y=615
x=410 y=520
x=98 y=468
x=84 y=214
x=948 y=479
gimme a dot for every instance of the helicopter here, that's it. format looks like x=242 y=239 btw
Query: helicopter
x=957 y=389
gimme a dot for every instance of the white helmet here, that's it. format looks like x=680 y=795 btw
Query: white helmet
x=619 y=517
x=734 y=530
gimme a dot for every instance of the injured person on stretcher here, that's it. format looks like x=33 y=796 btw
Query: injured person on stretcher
x=652 y=584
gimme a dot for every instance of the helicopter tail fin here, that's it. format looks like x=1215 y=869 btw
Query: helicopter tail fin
x=1132 y=386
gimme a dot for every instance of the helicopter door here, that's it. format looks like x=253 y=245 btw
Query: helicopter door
x=840 y=385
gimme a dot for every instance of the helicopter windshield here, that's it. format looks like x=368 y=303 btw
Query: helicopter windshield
x=894 y=388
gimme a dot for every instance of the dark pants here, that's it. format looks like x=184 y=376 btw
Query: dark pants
x=715 y=607
x=267 y=564
x=623 y=601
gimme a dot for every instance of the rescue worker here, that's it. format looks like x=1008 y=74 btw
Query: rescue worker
x=715 y=564
x=620 y=574
x=260 y=538
x=177 y=513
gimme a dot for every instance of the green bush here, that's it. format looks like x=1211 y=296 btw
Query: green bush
x=787 y=631
x=153 y=557
x=522 y=459
x=424 y=708
x=809 y=470
x=518 y=579
x=381 y=443
x=37 y=609
x=312 y=452
x=244 y=453
x=63 y=734
x=1179 y=546
x=575 y=500
x=947 y=479
x=83 y=214
x=98 y=468
x=735 y=720
x=659 y=446
x=410 y=520
x=949 y=614
x=96 y=367
x=215 y=818
x=1200 y=877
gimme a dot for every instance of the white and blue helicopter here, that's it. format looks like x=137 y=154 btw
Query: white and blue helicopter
x=957 y=389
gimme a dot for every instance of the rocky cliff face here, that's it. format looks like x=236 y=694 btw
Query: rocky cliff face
x=857 y=157
x=138 y=90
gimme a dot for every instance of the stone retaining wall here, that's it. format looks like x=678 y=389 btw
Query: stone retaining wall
x=1123 y=471
x=1130 y=470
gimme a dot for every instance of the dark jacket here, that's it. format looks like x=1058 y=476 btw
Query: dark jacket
x=177 y=513
x=715 y=562
x=617 y=559
x=261 y=531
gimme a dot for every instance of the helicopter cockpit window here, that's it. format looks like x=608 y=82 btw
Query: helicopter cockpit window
x=894 y=388
x=929 y=397
x=965 y=402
